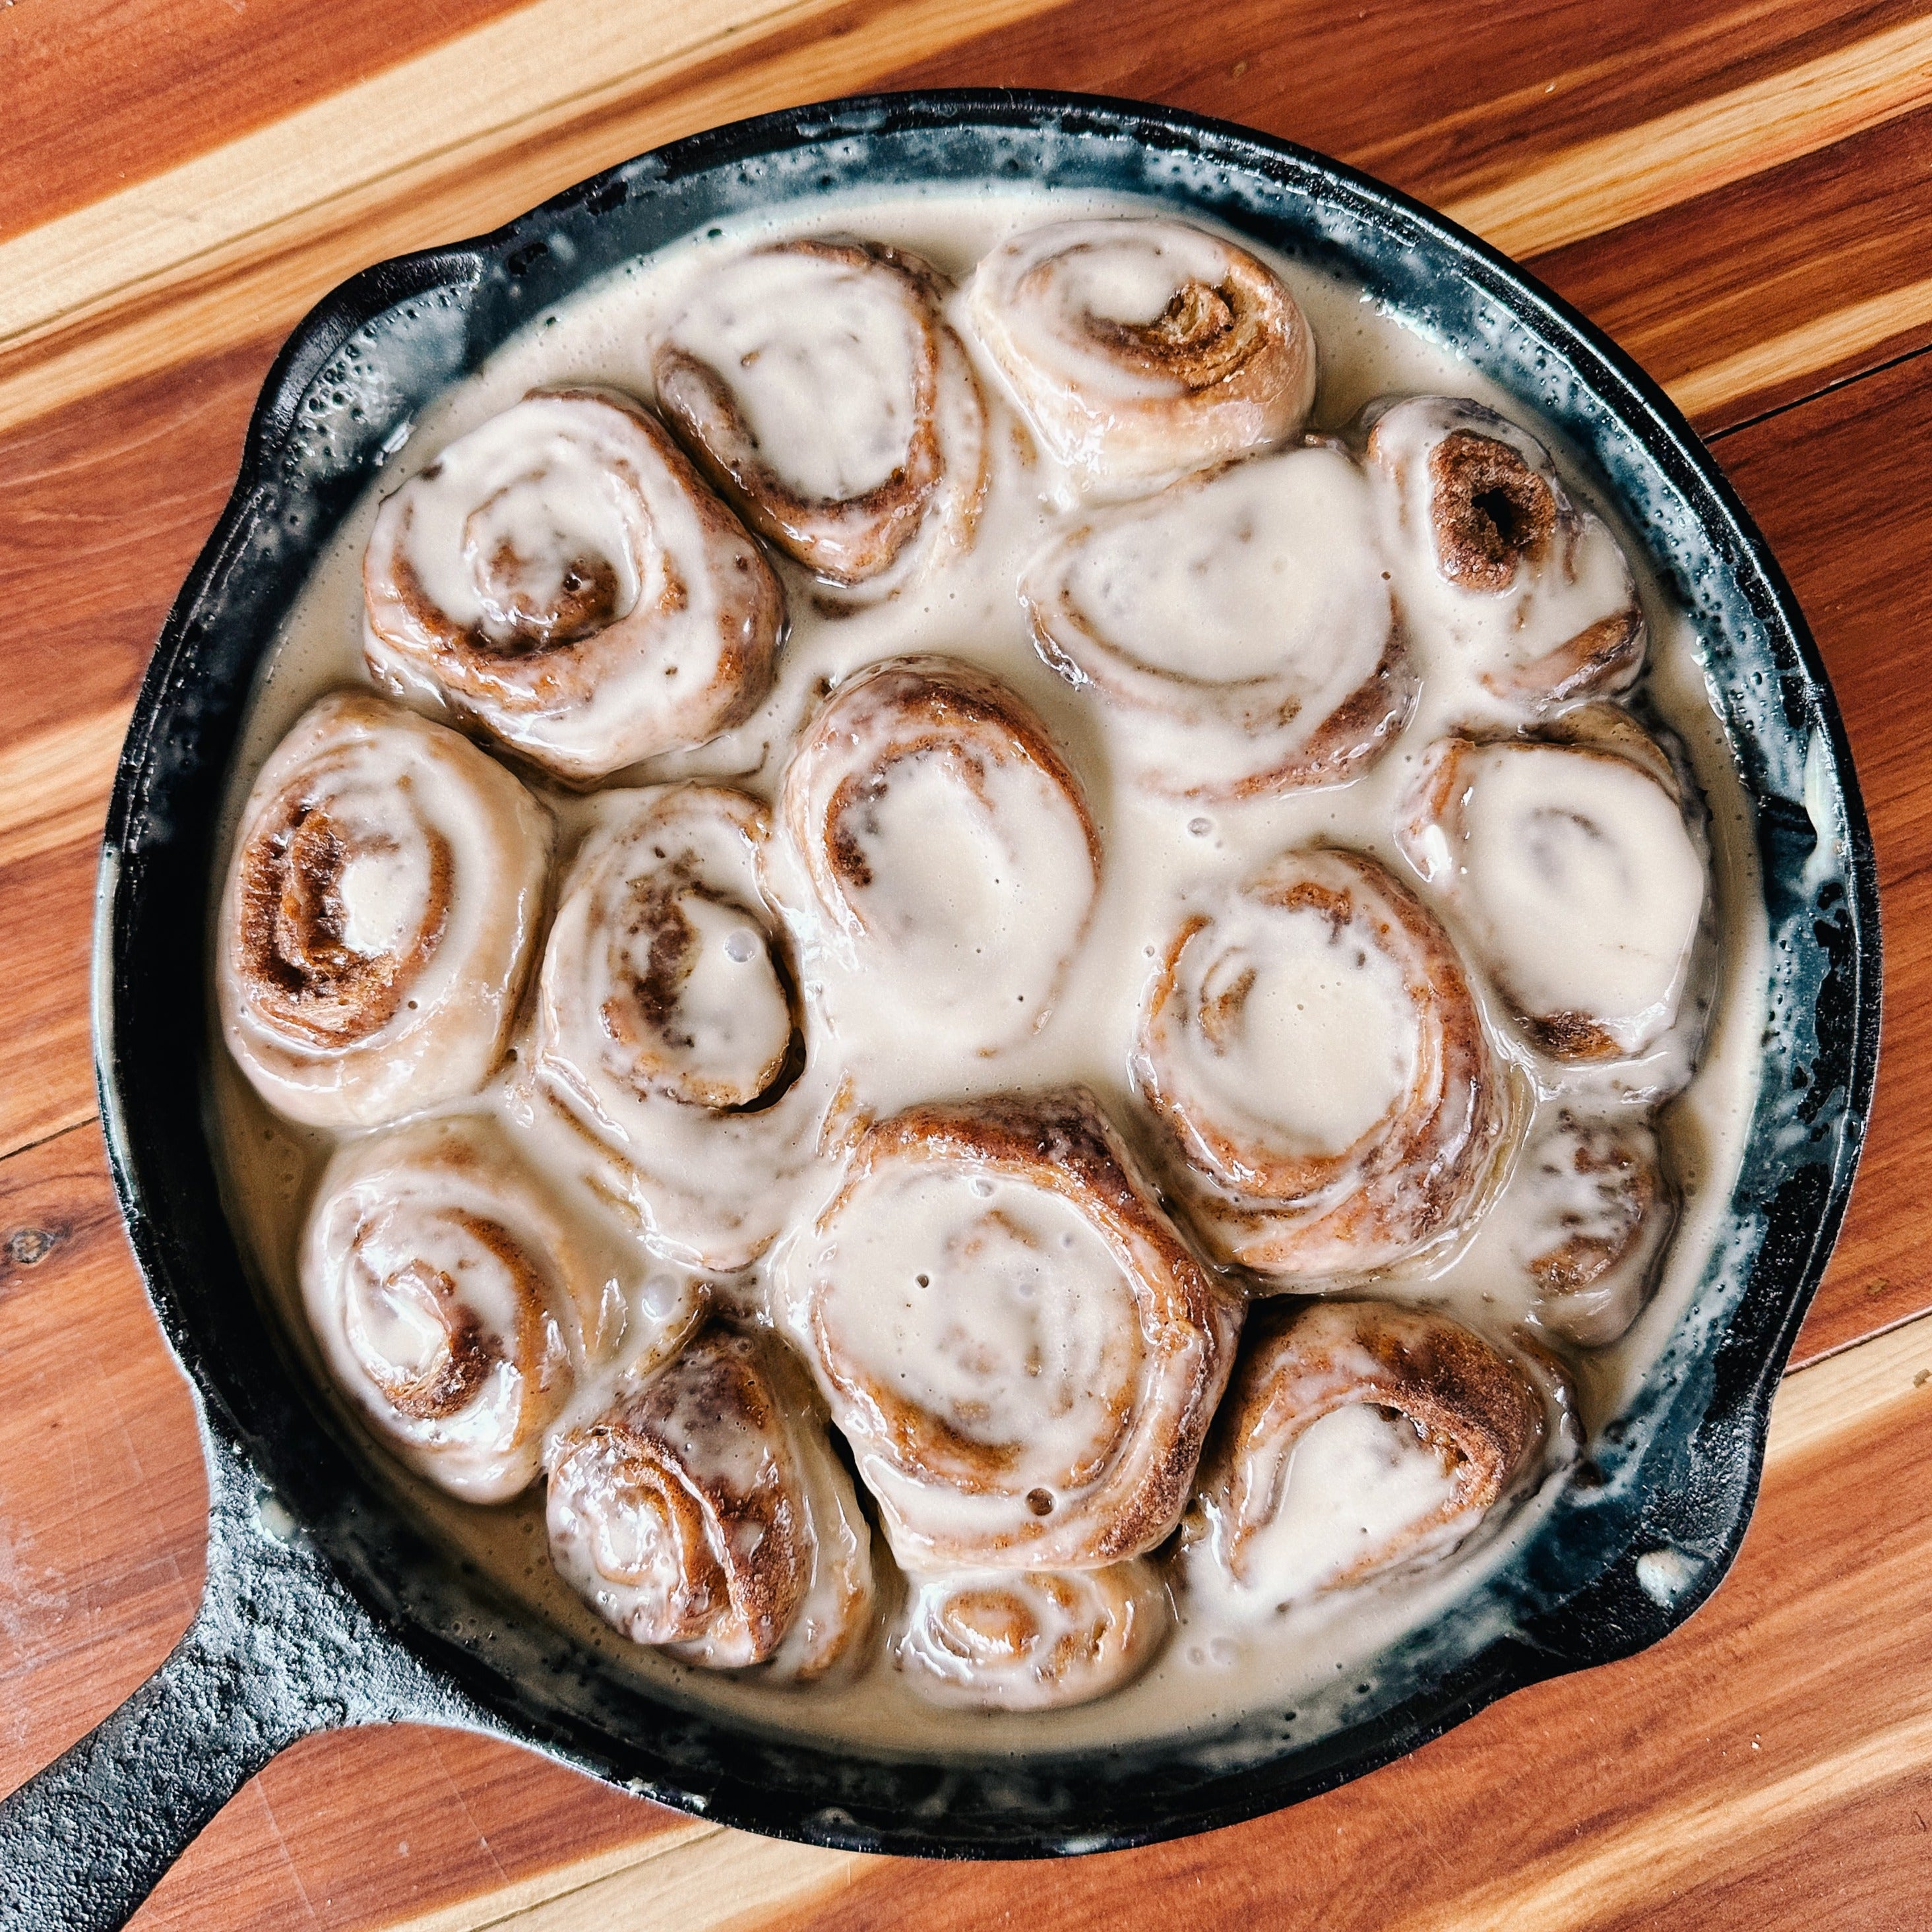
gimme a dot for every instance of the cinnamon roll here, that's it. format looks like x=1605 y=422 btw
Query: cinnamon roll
x=1315 y=1051
x=1357 y=1439
x=1141 y=349
x=946 y=854
x=378 y=916
x=1033 y=1639
x=667 y=1022
x=1245 y=619
x=1532 y=592
x=562 y=577
x=818 y=387
x=1574 y=873
x=451 y=1304
x=705 y=1511
x=1022 y=1352
x=1598 y=1213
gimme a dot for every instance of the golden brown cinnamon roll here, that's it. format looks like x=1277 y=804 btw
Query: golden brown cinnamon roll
x=563 y=578
x=1573 y=870
x=1246 y=619
x=1357 y=1438
x=1018 y=1346
x=1143 y=348
x=705 y=1511
x=946 y=855
x=817 y=385
x=450 y=1302
x=667 y=1020
x=376 y=923
x=1532 y=593
x=1031 y=1640
x=1596 y=1211
x=1315 y=1050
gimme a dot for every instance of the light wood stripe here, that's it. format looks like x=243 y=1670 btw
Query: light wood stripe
x=54 y=785
x=487 y=91
x=103 y=306
x=708 y=1879
x=1706 y=145
x=1809 y=350
x=231 y=246
x=671 y=1887
x=1601 y=184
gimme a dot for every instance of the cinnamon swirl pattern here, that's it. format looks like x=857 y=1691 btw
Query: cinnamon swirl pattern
x=1245 y=620
x=451 y=1304
x=946 y=854
x=1314 y=1049
x=667 y=1022
x=378 y=917
x=1021 y=1351
x=746 y=1159
x=1030 y=1640
x=1577 y=878
x=1601 y=1211
x=562 y=577
x=1357 y=1439
x=1533 y=593
x=1140 y=350
x=705 y=1512
x=818 y=387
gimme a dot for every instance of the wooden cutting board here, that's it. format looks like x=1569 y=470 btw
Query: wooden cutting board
x=1738 y=193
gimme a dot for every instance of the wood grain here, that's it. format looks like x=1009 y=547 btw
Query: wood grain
x=1830 y=483
x=1736 y=191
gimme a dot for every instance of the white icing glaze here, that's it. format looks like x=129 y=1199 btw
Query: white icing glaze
x=451 y=1301
x=1313 y=1047
x=1021 y=1352
x=1555 y=619
x=1246 y=620
x=819 y=387
x=1030 y=1641
x=1357 y=1480
x=1142 y=349
x=560 y=577
x=1577 y=880
x=665 y=1023
x=943 y=867
x=1164 y=858
x=378 y=915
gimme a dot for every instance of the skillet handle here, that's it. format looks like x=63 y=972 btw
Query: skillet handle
x=278 y=1649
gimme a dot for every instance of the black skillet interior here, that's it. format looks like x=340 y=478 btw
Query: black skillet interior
x=1684 y=1474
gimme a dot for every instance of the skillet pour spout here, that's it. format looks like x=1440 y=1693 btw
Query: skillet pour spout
x=327 y=1603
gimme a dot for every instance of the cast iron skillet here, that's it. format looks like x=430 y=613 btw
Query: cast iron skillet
x=325 y=1603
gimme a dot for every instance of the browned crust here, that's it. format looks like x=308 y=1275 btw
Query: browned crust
x=903 y=709
x=1493 y=515
x=846 y=540
x=1061 y=1142
x=1413 y=1177
x=741 y=1556
x=1488 y=511
x=556 y=666
x=1300 y=1361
